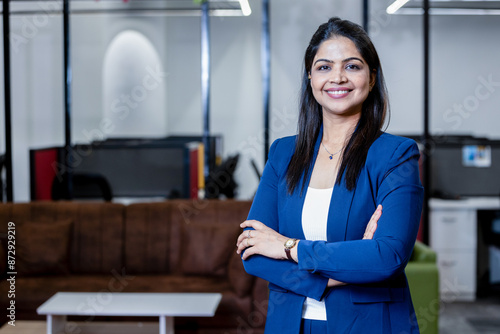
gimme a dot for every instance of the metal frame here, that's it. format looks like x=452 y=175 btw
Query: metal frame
x=8 y=120
x=366 y=15
x=67 y=99
x=426 y=175
x=266 y=73
x=205 y=83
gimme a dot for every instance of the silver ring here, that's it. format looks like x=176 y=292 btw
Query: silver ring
x=248 y=234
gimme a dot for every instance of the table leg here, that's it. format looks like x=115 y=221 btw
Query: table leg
x=166 y=325
x=55 y=323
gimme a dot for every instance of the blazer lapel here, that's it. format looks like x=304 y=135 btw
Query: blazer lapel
x=338 y=215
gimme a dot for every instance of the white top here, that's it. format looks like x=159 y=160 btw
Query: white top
x=314 y=221
x=132 y=304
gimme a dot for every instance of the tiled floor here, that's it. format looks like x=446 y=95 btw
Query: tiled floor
x=479 y=317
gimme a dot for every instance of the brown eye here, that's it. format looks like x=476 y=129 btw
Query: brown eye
x=352 y=67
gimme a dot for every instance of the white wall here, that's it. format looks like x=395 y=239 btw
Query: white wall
x=399 y=43
x=459 y=60
x=465 y=76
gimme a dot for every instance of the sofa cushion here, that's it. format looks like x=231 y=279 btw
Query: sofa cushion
x=96 y=244
x=215 y=227
x=150 y=239
x=207 y=248
x=43 y=247
x=240 y=281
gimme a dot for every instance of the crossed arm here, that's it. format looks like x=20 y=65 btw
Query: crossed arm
x=257 y=238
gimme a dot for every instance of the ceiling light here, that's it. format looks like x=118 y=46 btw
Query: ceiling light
x=395 y=6
x=245 y=7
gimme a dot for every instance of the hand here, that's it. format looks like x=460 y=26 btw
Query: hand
x=261 y=240
x=372 y=225
x=333 y=283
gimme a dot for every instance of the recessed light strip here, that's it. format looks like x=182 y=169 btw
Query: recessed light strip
x=245 y=7
x=395 y=6
x=448 y=11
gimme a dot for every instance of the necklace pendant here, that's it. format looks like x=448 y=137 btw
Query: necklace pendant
x=331 y=157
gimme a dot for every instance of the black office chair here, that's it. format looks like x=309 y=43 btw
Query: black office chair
x=221 y=179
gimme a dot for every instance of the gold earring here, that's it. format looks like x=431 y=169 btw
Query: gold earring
x=309 y=77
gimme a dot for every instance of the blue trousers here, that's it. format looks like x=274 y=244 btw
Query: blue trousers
x=312 y=327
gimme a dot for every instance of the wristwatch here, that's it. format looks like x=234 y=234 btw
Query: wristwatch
x=289 y=244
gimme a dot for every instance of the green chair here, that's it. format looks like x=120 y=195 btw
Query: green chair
x=423 y=279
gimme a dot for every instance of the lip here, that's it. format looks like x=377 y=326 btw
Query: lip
x=334 y=92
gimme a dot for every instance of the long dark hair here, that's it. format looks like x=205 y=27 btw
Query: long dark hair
x=311 y=118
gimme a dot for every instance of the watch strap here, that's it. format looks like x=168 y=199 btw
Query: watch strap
x=288 y=248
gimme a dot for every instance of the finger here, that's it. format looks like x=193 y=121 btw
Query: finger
x=241 y=237
x=243 y=245
x=370 y=230
x=249 y=252
x=251 y=223
x=372 y=225
x=376 y=215
x=247 y=243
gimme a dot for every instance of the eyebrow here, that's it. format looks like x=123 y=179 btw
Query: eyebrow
x=344 y=61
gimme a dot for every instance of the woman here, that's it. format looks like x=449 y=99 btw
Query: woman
x=316 y=232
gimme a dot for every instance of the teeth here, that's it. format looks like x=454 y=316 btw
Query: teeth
x=338 y=92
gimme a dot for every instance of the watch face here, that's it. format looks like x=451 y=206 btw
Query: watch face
x=289 y=243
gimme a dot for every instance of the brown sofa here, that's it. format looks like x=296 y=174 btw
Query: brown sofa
x=172 y=246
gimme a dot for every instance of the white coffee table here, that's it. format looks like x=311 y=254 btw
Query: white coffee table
x=166 y=306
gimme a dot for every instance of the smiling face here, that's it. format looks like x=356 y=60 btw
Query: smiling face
x=340 y=77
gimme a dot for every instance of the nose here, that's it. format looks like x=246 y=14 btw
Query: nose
x=338 y=76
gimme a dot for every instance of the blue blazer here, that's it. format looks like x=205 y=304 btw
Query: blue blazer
x=376 y=298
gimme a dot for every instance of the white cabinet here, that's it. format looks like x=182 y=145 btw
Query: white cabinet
x=453 y=235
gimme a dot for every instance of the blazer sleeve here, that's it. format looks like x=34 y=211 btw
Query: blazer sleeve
x=386 y=255
x=284 y=274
